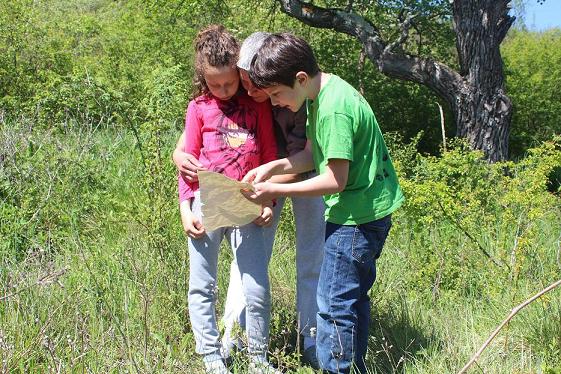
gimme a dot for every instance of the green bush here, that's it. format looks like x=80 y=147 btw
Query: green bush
x=76 y=99
x=532 y=68
x=47 y=185
x=467 y=214
x=88 y=62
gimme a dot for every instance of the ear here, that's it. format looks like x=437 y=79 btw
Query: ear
x=302 y=77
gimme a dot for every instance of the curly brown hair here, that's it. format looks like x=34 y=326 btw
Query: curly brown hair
x=214 y=46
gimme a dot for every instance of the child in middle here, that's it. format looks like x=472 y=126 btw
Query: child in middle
x=231 y=134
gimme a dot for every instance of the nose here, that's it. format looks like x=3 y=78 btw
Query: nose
x=224 y=92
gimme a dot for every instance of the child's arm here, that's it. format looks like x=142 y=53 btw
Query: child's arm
x=285 y=178
x=192 y=145
x=333 y=180
x=336 y=142
x=191 y=224
x=296 y=164
x=186 y=163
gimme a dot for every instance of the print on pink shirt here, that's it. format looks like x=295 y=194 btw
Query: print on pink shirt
x=234 y=139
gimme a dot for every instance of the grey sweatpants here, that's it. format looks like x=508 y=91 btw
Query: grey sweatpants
x=252 y=256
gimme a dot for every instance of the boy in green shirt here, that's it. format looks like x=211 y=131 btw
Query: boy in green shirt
x=356 y=178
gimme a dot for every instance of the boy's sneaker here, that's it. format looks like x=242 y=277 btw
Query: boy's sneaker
x=309 y=357
x=216 y=367
x=262 y=367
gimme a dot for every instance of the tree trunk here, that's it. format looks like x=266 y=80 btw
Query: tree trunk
x=484 y=120
x=475 y=94
x=482 y=110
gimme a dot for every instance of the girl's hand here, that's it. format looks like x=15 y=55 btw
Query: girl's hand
x=187 y=164
x=192 y=226
x=266 y=217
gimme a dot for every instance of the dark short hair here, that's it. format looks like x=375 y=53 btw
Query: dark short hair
x=279 y=59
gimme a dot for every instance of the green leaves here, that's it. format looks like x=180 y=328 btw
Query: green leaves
x=480 y=214
x=533 y=71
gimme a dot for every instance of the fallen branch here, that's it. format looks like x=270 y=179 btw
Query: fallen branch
x=512 y=314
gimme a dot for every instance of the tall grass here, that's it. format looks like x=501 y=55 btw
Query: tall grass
x=85 y=289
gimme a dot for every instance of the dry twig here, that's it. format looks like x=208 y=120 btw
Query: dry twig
x=507 y=320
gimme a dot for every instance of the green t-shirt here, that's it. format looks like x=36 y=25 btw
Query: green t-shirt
x=341 y=125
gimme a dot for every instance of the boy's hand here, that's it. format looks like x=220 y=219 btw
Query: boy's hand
x=259 y=174
x=187 y=164
x=192 y=226
x=266 y=217
x=262 y=193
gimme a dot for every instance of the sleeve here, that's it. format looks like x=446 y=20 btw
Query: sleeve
x=193 y=144
x=337 y=136
x=265 y=133
x=296 y=136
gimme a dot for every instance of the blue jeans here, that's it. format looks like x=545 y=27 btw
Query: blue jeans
x=347 y=274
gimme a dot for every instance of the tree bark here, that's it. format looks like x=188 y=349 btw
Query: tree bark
x=475 y=94
x=483 y=110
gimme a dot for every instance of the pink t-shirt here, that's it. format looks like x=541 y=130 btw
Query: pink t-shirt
x=228 y=137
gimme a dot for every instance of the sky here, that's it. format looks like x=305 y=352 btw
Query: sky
x=540 y=17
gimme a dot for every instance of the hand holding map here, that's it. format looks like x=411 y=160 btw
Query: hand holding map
x=222 y=202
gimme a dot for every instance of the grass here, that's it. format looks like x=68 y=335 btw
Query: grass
x=91 y=290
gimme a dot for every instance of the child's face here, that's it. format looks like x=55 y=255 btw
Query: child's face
x=257 y=94
x=287 y=97
x=222 y=82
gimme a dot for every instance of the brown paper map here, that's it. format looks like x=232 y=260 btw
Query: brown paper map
x=222 y=202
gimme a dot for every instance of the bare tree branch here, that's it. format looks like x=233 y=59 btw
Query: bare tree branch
x=435 y=75
x=405 y=26
x=512 y=314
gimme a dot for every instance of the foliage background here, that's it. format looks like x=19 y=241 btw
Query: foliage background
x=93 y=266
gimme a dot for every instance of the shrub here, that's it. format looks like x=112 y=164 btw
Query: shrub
x=464 y=213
